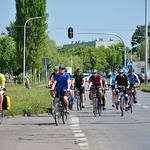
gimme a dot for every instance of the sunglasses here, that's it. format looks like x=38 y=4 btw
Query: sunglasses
x=94 y=73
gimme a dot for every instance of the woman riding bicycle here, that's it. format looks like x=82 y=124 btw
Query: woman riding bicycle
x=133 y=79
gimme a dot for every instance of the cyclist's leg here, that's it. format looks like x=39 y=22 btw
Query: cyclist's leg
x=135 y=95
x=82 y=90
x=113 y=95
x=126 y=98
x=65 y=98
x=1 y=98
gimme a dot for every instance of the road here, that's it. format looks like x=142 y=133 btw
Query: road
x=83 y=131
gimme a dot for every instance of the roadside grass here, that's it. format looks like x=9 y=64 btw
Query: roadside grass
x=32 y=101
x=144 y=87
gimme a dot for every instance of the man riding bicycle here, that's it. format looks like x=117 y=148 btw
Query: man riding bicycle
x=133 y=79
x=112 y=84
x=95 y=81
x=122 y=81
x=79 y=83
x=62 y=82
x=2 y=86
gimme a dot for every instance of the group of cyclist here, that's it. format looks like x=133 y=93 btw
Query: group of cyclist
x=126 y=81
x=60 y=79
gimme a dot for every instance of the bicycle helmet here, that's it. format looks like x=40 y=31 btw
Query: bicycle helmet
x=114 y=69
x=101 y=73
x=56 y=68
x=78 y=70
x=131 y=70
x=94 y=71
x=121 y=71
x=62 y=67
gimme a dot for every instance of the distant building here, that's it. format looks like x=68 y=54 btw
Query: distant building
x=95 y=43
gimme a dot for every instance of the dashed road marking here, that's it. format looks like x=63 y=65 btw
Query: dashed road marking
x=80 y=136
x=145 y=106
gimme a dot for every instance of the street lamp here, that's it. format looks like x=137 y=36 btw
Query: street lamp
x=25 y=42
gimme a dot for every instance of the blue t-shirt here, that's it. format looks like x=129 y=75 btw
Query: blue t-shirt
x=62 y=81
x=132 y=79
x=113 y=78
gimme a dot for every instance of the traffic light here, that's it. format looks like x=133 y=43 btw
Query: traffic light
x=48 y=66
x=149 y=60
x=70 y=32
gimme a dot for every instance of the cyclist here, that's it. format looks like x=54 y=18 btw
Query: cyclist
x=78 y=83
x=133 y=78
x=112 y=82
x=62 y=83
x=122 y=80
x=105 y=86
x=95 y=81
x=2 y=86
x=51 y=78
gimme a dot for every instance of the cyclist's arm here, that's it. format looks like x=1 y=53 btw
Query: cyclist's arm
x=83 y=82
x=53 y=85
x=68 y=84
x=110 y=80
x=138 y=81
x=89 y=85
x=72 y=82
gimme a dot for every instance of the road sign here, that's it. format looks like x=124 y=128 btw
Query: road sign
x=129 y=62
x=45 y=61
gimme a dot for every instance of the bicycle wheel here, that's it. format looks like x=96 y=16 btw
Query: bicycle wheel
x=99 y=107
x=122 y=105
x=63 y=115
x=95 y=107
x=1 y=116
x=131 y=104
x=57 y=114
x=79 y=107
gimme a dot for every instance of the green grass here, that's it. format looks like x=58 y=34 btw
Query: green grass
x=144 y=87
x=34 y=101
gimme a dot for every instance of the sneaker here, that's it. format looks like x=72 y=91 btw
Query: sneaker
x=83 y=106
x=104 y=108
x=113 y=105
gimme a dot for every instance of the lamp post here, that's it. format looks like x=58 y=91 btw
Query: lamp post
x=25 y=42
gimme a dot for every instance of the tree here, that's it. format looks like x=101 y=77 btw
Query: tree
x=35 y=30
x=7 y=54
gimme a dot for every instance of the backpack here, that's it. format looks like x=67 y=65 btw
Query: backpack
x=6 y=102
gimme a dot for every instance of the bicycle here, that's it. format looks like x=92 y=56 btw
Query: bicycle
x=121 y=100
x=59 y=108
x=79 y=102
x=131 y=97
x=97 y=107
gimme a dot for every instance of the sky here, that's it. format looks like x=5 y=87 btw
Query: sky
x=120 y=17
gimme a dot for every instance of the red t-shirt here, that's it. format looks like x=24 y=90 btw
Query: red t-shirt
x=95 y=80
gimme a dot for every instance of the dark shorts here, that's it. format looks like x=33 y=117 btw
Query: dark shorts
x=113 y=87
x=81 y=89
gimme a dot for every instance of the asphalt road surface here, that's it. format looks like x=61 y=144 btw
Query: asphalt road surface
x=83 y=131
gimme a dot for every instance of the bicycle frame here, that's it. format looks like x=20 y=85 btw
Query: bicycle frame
x=59 y=108
x=79 y=102
x=97 y=102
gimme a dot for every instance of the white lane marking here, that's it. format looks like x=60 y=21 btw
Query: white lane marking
x=77 y=131
x=145 y=106
x=80 y=137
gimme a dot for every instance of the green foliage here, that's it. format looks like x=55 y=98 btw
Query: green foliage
x=7 y=54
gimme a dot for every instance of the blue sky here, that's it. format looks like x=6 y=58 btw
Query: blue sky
x=100 y=16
